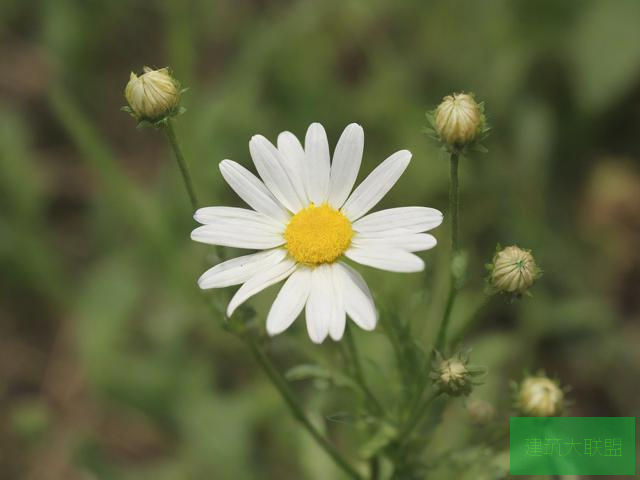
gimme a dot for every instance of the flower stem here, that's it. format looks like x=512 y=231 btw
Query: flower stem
x=417 y=408
x=182 y=163
x=358 y=373
x=453 y=200
x=470 y=323
x=283 y=388
x=453 y=285
x=374 y=468
x=416 y=418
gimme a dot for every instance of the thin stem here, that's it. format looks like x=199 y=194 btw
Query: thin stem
x=374 y=468
x=453 y=285
x=442 y=332
x=470 y=323
x=453 y=200
x=417 y=417
x=441 y=336
x=182 y=163
x=283 y=388
x=416 y=408
x=358 y=372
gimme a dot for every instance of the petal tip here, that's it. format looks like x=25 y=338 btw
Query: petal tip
x=271 y=332
x=225 y=164
x=195 y=234
x=336 y=338
x=316 y=128
x=197 y=215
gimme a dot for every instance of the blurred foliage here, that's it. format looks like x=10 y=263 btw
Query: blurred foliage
x=111 y=365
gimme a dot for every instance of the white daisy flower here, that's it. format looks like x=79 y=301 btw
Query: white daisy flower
x=304 y=220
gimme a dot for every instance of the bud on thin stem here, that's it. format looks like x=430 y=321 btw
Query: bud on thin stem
x=513 y=270
x=458 y=120
x=539 y=396
x=454 y=376
x=182 y=163
x=153 y=96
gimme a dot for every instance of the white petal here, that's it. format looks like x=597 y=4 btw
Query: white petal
x=290 y=301
x=338 y=315
x=260 y=281
x=358 y=302
x=291 y=148
x=316 y=149
x=393 y=260
x=240 y=233
x=376 y=185
x=240 y=269
x=346 y=163
x=216 y=215
x=318 y=310
x=411 y=242
x=252 y=190
x=269 y=164
x=293 y=158
x=413 y=219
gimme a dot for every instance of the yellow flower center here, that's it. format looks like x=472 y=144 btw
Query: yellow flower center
x=318 y=235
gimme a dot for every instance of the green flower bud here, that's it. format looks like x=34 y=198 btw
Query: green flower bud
x=153 y=96
x=454 y=376
x=539 y=396
x=513 y=270
x=458 y=120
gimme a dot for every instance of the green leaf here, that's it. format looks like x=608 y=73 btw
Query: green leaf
x=318 y=372
x=459 y=265
x=386 y=434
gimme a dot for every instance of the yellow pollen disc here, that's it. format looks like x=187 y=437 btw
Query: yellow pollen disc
x=318 y=235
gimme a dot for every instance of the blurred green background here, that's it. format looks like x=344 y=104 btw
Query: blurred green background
x=112 y=367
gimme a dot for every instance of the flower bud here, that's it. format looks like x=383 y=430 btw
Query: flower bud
x=458 y=120
x=513 y=270
x=479 y=411
x=454 y=376
x=153 y=95
x=539 y=397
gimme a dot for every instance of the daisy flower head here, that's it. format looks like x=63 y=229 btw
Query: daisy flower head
x=304 y=220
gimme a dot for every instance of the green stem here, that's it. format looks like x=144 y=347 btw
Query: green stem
x=417 y=417
x=416 y=408
x=453 y=201
x=470 y=323
x=453 y=285
x=358 y=372
x=442 y=332
x=374 y=468
x=182 y=163
x=283 y=388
